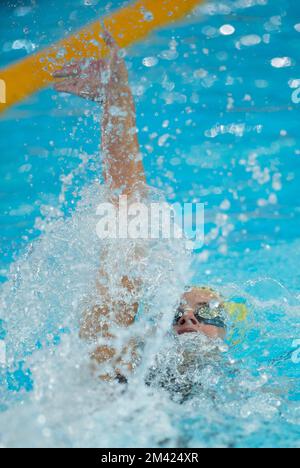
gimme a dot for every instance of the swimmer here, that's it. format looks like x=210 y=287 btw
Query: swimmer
x=105 y=81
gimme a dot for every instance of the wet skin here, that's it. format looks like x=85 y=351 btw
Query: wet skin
x=188 y=322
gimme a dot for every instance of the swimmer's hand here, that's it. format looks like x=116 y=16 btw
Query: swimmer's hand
x=92 y=79
x=85 y=79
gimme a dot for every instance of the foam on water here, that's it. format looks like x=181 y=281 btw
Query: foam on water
x=52 y=284
x=187 y=391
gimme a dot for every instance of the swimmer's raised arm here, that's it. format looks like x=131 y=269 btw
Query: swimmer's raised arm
x=123 y=167
x=106 y=81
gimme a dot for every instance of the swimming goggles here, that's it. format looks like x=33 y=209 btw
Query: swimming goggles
x=205 y=314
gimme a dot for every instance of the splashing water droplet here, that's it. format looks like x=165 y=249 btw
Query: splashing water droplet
x=250 y=40
x=148 y=15
x=150 y=61
x=169 y=54
x=24 y=44
x=281 y=62
x=227 y=30
x=296 y=96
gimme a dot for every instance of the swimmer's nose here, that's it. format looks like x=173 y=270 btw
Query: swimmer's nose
x=188 y=319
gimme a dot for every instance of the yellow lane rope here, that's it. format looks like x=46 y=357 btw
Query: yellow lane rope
x=127 y=25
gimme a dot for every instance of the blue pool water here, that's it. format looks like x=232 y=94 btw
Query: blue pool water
x=218 y=115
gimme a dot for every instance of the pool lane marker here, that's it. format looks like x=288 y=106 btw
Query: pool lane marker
x=127 y=25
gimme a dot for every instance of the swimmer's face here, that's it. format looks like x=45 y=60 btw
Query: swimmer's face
x=188 y=322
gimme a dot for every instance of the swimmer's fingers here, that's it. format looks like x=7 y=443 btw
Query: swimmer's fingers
x=115 y=58
x=86 y=90
x=82 y=69
x=74 y=86
x=114 y=48
x=68 y=71
x=109 y=40
x=67 y=86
